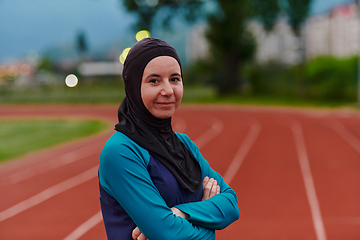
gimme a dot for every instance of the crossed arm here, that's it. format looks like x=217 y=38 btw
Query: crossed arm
x=123 y=166
x=210 y=189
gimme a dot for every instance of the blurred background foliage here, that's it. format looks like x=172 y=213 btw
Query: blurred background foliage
x=230 y=43
x=326 y=78
x=228 y=73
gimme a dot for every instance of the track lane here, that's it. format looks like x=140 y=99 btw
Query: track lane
x=53 y=218
x=270 y=189
x=335 y=164
x=308 y=180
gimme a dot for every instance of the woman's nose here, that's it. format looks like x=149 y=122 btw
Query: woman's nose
x=167 y=89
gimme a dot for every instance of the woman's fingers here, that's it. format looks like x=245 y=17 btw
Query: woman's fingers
x=136 y=233
x=205 y=180
x=142 y=237
x=210 y=188
x=207 y=188
x=213 y=189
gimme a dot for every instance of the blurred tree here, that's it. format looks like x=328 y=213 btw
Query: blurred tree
x=297 y=12
x=267 y=12
x=147 y=9
x=46 y=64
x=81 y=43
x=231 y=45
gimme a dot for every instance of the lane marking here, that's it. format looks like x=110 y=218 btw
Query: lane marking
x=48 y=193
x=243 y=151
x=215 y=129
x=308 y=180
x=51 y=164
x=85 y=227
x=340 y=129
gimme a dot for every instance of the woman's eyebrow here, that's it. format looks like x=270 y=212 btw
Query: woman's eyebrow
x=153 y=75
x=157 y=75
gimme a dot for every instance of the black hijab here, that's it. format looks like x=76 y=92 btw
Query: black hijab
x=154 y=134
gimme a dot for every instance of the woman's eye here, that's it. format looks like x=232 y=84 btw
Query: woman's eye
x=153 y=81
x=175 y=79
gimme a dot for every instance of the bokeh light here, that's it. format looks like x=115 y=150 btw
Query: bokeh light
x=25 y=70
x=2 y=71
x=71 y=80
x=142 y=34
x=124 y=55
x=32 y=56
x=13 y=70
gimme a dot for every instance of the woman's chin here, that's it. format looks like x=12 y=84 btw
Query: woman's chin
x=163 y=113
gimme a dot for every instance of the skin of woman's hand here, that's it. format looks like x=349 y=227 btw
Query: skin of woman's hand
x=137 y=235
x=179 y=213
x=210 y=188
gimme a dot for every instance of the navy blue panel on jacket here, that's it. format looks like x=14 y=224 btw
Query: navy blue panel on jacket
x=118 y=223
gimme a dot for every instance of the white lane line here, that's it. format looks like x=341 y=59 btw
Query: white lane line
x=308 y=180
x=216 y=128
x=243 y=151
x=340 y=129
x=48 y=193
x=51 y=164
x=86 y=226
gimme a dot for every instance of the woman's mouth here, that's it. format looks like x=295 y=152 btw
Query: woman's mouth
x=165 y=103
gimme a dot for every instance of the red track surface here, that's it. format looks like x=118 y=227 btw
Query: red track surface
x=296 y=173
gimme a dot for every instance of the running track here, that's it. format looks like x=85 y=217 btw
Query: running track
x=296 y=173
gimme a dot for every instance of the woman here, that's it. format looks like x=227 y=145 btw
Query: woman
x=154 y=183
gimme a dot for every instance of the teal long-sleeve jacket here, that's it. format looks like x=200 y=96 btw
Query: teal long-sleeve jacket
x=136 y=190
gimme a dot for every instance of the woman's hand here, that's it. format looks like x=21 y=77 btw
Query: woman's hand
x=179 y=213
x=210 y=188
x=137 y=235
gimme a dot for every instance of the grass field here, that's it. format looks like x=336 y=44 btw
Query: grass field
x=113 y=92
x=20 y=137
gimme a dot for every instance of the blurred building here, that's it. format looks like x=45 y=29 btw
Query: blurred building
x=16 y=73
x=278 y=45
x=197 y=46
x=335 y=33
x=91 y=69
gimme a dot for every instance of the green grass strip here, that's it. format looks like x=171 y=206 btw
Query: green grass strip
x=19 y=137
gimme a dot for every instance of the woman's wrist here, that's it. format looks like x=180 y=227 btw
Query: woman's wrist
x=179 y=213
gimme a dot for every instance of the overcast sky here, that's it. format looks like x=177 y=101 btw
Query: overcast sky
x=40 y=24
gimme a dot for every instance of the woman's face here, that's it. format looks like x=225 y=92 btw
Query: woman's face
x=162 y=87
